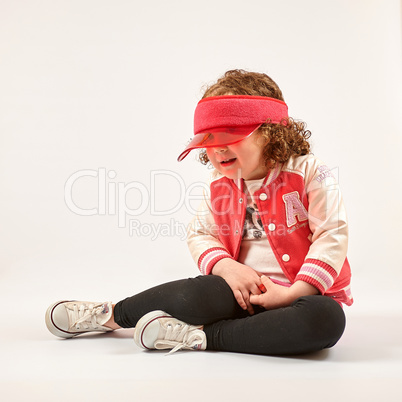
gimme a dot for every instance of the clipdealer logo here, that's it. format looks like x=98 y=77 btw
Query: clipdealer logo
x=112 y=197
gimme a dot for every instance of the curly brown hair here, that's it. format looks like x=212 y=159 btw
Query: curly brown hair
x=281 y=140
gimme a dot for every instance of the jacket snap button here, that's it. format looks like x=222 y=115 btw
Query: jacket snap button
x=263 y=197
x=285 y=257
x=240 y=200
x=271 y=227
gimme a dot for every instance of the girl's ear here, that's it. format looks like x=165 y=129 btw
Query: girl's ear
x=261 y=139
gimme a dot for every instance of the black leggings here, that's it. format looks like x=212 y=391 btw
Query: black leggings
x=309 y=324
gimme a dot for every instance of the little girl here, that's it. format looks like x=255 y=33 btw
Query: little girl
x=270 y=240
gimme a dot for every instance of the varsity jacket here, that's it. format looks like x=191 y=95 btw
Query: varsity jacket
x=302 y=213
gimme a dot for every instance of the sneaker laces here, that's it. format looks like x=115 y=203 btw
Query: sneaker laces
x=85 y=316
x=185 y=336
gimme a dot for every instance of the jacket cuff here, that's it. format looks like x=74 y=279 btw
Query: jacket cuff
x=317 y=273
x=210 y=257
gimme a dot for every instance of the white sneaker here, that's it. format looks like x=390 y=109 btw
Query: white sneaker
x=159 y=330
x=71 y=318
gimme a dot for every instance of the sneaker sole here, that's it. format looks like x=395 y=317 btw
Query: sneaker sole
x=143 y=323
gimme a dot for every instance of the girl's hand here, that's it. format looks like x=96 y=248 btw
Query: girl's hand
x=280 y=296
x=242 y=279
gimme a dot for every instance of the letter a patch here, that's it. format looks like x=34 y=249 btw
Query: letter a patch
x=294 y=207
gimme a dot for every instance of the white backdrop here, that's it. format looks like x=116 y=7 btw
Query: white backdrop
x=110 y=87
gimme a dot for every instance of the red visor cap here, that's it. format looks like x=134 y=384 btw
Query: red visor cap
x=225 y=120
x=218 y=137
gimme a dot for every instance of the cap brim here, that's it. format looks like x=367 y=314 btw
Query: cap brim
x=218 y=137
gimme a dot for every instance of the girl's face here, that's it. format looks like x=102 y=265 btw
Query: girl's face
x=241 y=160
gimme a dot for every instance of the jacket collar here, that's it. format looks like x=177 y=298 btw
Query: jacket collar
x=271 y=176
